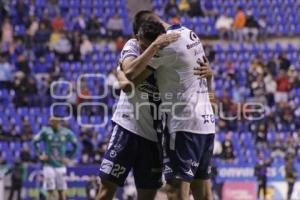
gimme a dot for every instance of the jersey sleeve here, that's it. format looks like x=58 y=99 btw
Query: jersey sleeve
x=130 y=49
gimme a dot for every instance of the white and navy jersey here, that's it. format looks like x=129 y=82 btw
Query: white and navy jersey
x=184 y=97
x=137 y=111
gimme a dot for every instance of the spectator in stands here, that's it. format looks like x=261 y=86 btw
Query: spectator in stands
x=263 y=29
x=284 y=62
x=58 y=23
x=32 y=28
x=293 y=77
x=290 y=146
x=25 y=155
x=6 y=73
x=115 y=26
x=2 y=159
x=3 y=134
x=84 y=159
x=79 y=24
x=42 y=35
x=276 y=147
x=239 y=24
x=283 y=87
x=171 y=9
x=209 y=52
x=86 y=46
x=251 y=28
x=62 y=47
x=270 y=86
x=86 y=141
x=272 y=66
x=260 y=130
x=184 y=6
x=97 y=157
x=3 y=11
x=76 y=42
x=227 y=149
x=17 y=176
x=22 y=11
x=261 y=174
x=92 y=188
x=208 y=8
x=25 y=88
x=22 y=64
x=45 y=21
x=93 y=27
x=290 y=176
x=120 y=43
x=27 y=132
x=224 y=26
x=195 y=9
x=7 y=32
x=84 y=93
x=258 y=89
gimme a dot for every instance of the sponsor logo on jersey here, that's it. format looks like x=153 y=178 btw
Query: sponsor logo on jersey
x=113 y=153
x=106 y=166
x=194 y=38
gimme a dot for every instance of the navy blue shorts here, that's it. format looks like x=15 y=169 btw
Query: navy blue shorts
x=128 y=151
x=187 y=156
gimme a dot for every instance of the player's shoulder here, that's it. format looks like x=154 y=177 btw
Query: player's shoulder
x=131 y=48
x=46 y=130
x=131 y=43
x=66 y=131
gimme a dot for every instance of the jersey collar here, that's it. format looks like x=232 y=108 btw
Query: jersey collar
x=173 y=27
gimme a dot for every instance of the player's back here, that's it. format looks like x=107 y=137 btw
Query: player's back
x=181 y=91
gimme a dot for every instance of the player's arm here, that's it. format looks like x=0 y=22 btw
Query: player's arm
x=36 y=140
x=134 y=66
x=74 y=142
x=127 y=85
x=204 y=71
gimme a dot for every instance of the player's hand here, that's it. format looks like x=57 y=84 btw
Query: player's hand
x=66 y=161
x=43 y=157
x=165 y=39
x=203 y=70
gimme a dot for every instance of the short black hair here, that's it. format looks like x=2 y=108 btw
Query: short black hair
x=139 y=19
x=150 y=30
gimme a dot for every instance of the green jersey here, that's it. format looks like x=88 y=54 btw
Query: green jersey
x=55 y=144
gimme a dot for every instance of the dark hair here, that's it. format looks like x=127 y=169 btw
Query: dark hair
x=139 y=19
x=150 y=30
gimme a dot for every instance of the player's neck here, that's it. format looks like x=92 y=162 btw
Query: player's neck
x=165 y=25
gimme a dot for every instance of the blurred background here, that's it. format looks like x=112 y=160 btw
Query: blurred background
x=51 y=50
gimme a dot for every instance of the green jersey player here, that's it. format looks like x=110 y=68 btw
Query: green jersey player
x=54 y=156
